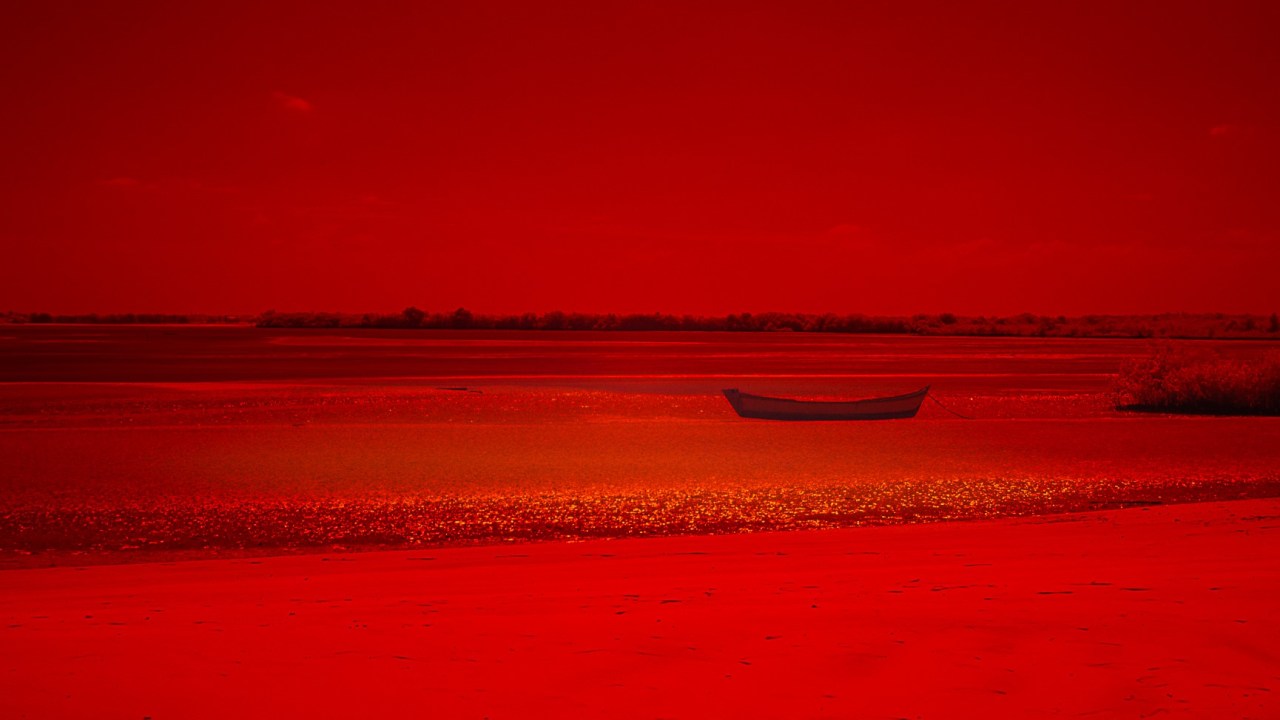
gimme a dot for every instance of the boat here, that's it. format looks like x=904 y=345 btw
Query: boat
x=771 y=408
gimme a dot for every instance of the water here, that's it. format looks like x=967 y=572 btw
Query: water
x=132 y=442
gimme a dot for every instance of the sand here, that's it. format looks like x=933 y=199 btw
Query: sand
x=1167 y=611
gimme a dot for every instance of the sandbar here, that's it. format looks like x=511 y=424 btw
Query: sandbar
x=1167 y=611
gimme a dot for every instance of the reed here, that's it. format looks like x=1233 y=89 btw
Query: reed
x=1180 y=380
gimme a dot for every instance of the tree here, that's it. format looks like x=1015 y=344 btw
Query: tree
x=413 y=317
x=462 y=318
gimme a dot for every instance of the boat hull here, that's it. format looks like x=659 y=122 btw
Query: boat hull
x=760 y=407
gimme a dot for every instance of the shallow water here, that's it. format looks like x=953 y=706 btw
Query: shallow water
x=131 y=441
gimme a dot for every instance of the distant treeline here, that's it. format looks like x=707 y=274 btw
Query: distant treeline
x=1171 y=325
x=463 y=319
x=1168 y=325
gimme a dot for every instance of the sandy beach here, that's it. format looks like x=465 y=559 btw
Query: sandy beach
x=1163 y=611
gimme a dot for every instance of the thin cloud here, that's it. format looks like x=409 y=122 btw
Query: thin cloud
x=292 y=103
x=845 y=230
x=167 y=185
x=121 y=181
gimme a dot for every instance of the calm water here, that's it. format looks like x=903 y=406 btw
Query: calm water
x=135 y=441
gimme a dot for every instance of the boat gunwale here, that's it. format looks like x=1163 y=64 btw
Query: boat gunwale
x=893 y=398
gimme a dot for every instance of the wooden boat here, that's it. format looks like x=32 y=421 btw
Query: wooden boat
x=770 y=408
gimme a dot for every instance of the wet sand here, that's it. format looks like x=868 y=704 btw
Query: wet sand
x=1166 y=611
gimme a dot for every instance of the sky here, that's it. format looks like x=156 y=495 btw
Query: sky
x=688 y=157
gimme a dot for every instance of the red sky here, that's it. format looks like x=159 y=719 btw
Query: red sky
x=886 y=157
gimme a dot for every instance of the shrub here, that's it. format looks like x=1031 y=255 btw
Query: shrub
x=1185 y=381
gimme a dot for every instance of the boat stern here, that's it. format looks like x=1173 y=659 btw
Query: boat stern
x=735 y=399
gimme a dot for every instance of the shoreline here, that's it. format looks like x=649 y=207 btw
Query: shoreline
x=16 y=560
x=286 y=527
x=1160 y=608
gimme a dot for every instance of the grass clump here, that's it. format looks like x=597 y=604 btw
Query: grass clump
x=1180 y=380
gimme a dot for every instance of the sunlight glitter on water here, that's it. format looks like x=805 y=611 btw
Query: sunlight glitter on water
x=403 y=521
